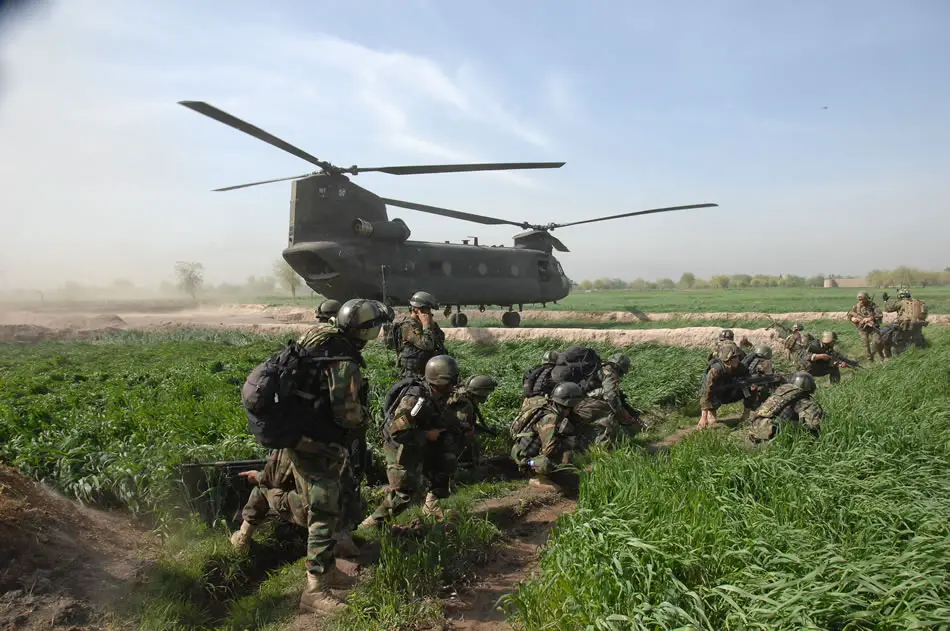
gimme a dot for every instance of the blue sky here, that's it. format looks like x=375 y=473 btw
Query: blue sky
x=649 y=103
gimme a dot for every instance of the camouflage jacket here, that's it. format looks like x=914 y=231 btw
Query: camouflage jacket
x=806 y=355
x=715 y=350
x=789 y=403
x=717 y=376
x=404 y=427
x=794 y=342
x=905 y=309
x=758 y=365
x=278 y=472
x=419 y=344
x=609 y=390
x=871 y=312
x=461 y=411
x=343 y=384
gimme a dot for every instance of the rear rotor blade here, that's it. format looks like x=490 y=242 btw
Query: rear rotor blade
x=232 y=121
x=631 y=214
x=458 y=168
x=280 y=179
x=455 y=214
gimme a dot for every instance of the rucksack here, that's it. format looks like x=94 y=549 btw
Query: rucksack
x=283 y=397
x=918 y=310
x=577 y=364
x=392 y=336
x=527 y=415
x=396 y=392
x=537 y=380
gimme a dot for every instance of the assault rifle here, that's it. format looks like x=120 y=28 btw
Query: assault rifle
x=783 y=327
x=841 y=360
x=216 y=489
x=746 y=384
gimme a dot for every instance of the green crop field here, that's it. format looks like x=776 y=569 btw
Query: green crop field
x=847 y=532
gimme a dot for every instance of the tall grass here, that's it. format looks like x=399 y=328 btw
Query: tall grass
x=850 y=531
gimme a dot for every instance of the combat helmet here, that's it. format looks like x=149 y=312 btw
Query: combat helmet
x=829 y=337
x=903 y=293
x=797 y=326
x=327 y=309
x=764 y=350
x=568 y=394
x=727 y=351
x=481 y=385
x=621 y=361
x=442 y=370
x=726 y=334
x=550 y=357
x=423 y=299
x=862 y=295
x=360 y=319
x=804 y=381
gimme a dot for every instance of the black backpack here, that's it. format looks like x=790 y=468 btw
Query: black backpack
x=392 y=336
x=577 y=364
x=537 y=380
x=396 y=392
x=284 y=401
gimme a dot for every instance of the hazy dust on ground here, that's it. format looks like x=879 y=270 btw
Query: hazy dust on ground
x=61 y=561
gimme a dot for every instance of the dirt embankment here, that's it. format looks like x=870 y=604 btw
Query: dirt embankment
x=61 y=562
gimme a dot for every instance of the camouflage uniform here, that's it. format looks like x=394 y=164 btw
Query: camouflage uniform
x=757 y=365
x=419 y=345
x=277 y=491
x=793 y=343
x=605 y=407
x=715 y=391
x=547 y=440
x=461 y=411
x=870 y=333
x=819 y=367
x=909 y=319
x=410 y=455
x=323 y=466
x=788 y=404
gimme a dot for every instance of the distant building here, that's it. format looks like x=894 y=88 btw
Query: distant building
x=846 y=282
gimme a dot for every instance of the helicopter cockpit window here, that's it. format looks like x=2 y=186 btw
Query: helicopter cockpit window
x=544 y=272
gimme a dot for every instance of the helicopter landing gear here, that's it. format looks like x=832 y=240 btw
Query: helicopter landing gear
x=459 y=320
x=511 y=319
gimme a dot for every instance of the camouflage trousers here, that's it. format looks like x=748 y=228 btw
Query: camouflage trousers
x=352 y=498
x=277 y=491
x=407 y=465
x=763 y=429
x=598 y=425
x=871 y=343
x=324 y=470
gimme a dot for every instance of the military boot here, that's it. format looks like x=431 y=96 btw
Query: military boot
x=431 y=506
x=370 y=521
x=745 y=416
x=241 y=539
x=318 y=597
x=545 y=484
x=345 y=547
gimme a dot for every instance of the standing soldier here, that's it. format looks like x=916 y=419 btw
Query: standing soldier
x=464 y=414
x=419 y=337
x=867 y=318
x=722 y=372
x=321 y=459
x=545 y=433
x=415 y=420
x=911 y=317
x=326 y=310
x=790 y=403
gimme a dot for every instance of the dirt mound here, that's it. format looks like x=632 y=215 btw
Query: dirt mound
x=59 y=560
x=36 y=333
x=693 y=337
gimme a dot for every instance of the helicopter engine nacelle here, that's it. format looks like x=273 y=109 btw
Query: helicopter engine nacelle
x=395 y=230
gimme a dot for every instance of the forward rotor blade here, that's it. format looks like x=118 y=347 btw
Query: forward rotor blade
x=232 y=121
x=632 y=214
x=280 y=179
x=458 y=168
x=455 y=214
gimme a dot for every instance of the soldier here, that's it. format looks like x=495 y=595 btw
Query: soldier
x=727 y=336
x=414 y=442
x=326 y=310
x=911 y=317
x=867 y=318
x=820 y=357
x=793 y=342
x=758 y=364
x=606 y=406
x=721 y=374
x=420 y=336
x=790 y=403
x=537 y=380
x=545 y=434
x=275 y=489
x=464 y=414
x=321 y=459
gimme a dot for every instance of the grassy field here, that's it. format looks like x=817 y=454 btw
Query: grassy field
x=108 y=421
x=846 y=532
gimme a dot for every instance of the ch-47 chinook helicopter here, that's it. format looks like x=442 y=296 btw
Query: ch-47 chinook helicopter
x=343 y=244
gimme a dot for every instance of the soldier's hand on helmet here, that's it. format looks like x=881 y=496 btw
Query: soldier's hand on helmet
x=425 y=317
x=252 y=476
x=433 y=434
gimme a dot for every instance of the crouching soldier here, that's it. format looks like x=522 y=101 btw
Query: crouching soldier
x=275 y=490
x=544 y=434
x=464 y=415
x=820 y=358
x=790 y=403
x=758 y=364
x=416 y=440
x=720 y=383
x=606 y=407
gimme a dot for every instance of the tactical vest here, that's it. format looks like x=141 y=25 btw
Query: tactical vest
x=781 y=400
x=412 y=358
x=531 y=410
x=402 y=388
x=917 y=311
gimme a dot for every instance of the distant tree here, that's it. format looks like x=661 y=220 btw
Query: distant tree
x=719 y=282
x=687 y=280
x=190 y=277
x=740 y=280
x=287 y=277
x=665 y=283
x=587 y=285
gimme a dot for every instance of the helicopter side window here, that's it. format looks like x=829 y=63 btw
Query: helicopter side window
x=544 y=272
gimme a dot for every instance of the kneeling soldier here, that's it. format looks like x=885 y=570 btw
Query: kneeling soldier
x=790 y=403
x=544 y=434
